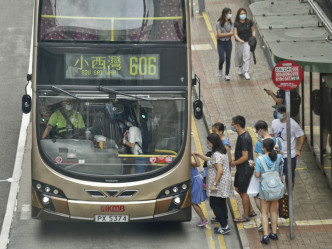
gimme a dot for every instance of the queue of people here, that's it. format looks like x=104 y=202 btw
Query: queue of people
x=271 y=155
x=242 y=29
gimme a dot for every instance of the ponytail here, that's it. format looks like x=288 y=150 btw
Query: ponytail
x=268 y=144
x=273 y=155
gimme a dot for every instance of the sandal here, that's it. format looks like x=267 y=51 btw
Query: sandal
x=252 y=213
x=241 y=219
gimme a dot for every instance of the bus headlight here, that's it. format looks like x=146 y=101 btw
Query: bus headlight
x=46 y=200
x=174 y=190
x=47 y=189
x=177 y=200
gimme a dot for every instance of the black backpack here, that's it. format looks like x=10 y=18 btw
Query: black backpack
x=295 y=102
x=315 y=101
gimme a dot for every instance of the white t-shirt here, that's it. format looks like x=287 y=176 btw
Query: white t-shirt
x=135 y=136
x=279 y=130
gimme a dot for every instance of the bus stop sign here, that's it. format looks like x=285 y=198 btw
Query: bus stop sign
x=287 y=75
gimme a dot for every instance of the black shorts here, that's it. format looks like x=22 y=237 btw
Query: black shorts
x=242 y=179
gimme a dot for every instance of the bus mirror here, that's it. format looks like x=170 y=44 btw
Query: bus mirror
x=198 y=109
x=194 y=81
x=26 y=103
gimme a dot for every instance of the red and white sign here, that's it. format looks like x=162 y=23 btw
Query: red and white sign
x=161 y=159
x=58 y=159
x=287 y=75
x=169 y=159
x=152 y=159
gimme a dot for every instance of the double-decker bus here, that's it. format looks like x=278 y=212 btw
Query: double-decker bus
x=111 y=106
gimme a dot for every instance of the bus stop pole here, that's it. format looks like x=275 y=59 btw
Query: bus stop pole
x=289 y=166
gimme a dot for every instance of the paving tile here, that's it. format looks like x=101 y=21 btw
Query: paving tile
x=223 y=100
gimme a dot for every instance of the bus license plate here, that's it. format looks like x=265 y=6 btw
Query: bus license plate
x=111 y=218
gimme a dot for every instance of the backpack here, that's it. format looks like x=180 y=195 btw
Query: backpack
x=315 y=101
x=295 y=100
x=271 y=186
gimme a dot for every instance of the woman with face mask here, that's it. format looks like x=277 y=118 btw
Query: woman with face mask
x=224 y=33
x=243 y=30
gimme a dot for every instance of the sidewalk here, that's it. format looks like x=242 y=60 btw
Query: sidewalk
x=222 y=99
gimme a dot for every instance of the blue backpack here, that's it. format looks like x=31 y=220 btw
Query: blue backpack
x=271 y=186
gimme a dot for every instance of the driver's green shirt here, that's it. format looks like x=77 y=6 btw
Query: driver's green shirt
x=58 y=119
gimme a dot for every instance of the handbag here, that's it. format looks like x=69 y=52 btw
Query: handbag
x=253 y=188
x=283 y=207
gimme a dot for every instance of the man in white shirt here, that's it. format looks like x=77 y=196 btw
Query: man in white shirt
x=279 y=131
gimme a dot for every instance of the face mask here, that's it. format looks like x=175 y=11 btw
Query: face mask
x=208 y=147
x=229 y=16
x=232 y=128
x=69 y=107
x=243 y=16
x=280 y=116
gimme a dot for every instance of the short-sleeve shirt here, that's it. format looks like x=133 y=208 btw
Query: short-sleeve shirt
x=279 y=131
x=259 y=145
x=57 y=119
x=243 y=143
x=225 y=181
x=269 y=163
x=225 y=141
x=135 y=137
x=226 y=29
x=244 y=29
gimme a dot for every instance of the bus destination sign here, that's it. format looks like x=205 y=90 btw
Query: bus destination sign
x=118 y=66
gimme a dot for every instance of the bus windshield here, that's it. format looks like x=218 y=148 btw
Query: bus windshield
x=102 y=134
x=112 y=20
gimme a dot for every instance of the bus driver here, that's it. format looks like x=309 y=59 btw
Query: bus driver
x=68 y=121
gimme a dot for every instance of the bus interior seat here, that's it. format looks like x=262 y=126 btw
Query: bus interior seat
x=169 y=30
x=84 y=34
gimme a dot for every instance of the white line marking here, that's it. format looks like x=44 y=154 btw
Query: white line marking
x=17 y=172
x=7 y=180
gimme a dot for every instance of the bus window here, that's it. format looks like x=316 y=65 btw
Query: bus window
x=112 y=20
x=120 y=137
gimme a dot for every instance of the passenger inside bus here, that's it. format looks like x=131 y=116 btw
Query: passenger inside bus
x=67 y=122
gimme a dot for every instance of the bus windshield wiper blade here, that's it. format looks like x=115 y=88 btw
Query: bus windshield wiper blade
x=104 y=89
x=55 y=88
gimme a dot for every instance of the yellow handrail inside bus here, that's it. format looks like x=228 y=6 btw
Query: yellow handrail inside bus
x=112 y=19
x=167 y=151
x=132 y=155
x=115 y=18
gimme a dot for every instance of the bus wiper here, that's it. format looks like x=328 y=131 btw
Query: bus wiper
x=58 y=89
x=104 y=89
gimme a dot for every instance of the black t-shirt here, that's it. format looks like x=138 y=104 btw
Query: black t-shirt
x=243 y=143
x=244 y=29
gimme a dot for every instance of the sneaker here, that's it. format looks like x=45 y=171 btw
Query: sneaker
x=273 y=236
x=247 y=75
x=265 y=240
x=223 y=230
x=260 y=228
x=227 y=77
x=240 y=71
x=220 y=73
x=202 y=223
x=214 y=220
